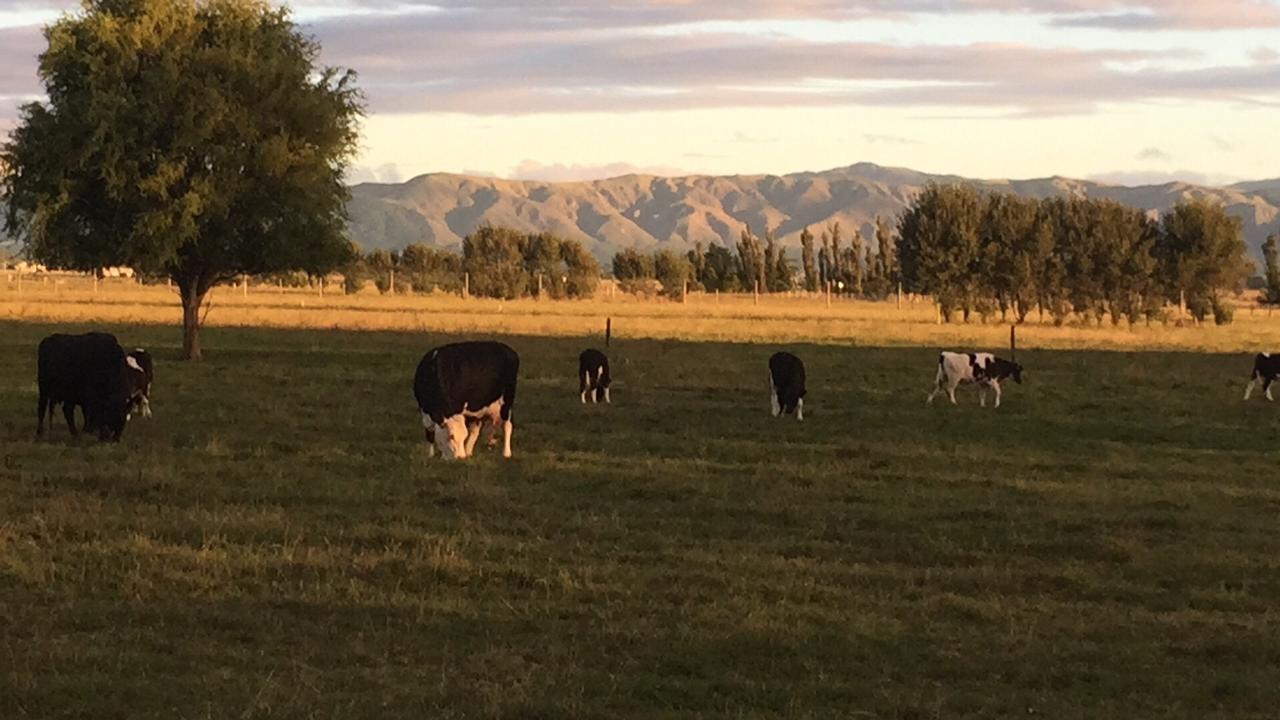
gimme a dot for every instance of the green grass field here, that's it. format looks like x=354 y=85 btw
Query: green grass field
x=276 y=543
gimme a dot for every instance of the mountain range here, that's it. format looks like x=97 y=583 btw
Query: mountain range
x=648 y=212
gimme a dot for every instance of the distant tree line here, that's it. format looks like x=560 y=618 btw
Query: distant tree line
x=495 y=262
x=988 y=252
x=763 y=265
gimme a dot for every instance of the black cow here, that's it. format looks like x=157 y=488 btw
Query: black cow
x=461 y=386
x=786 y=385
x=90 y=371
x=144 y=373
x=593 y=375
x=1266 y=367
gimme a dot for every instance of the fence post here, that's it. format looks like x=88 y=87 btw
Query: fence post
x=466 y=285
x=608 y=330
x=899 y=296
x=244 y=286
x=757 y=293
x=685 y=294
x=391 y=283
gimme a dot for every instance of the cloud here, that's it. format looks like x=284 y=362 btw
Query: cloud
x=1137 y=178
x=1153 y=153
x=888 y=140
x=388 y=173
x=1223 y=144
x=462 y=64
x=560 y=172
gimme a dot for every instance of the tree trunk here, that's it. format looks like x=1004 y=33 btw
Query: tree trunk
x=192 y=301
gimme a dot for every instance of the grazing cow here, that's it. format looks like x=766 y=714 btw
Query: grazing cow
x=786 y=385
x=144 y=373
x=1266 y=367
x=593 y=375
x=984 y=369
x=461 y=386
x=90 y=371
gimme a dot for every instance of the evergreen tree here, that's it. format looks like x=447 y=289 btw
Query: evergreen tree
x=1271 y=256
x=807 y=260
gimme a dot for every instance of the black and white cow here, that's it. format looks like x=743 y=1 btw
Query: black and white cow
x=786 y=385
x=593 y=375
x=1266 y=367
x=144 y=373
x=90 y=371
x=462 y=386
x=984 y=369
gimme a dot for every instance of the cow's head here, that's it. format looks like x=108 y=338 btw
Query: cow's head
x=451 y=437
x=1006 y=368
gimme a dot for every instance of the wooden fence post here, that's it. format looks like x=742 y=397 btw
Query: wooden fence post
x=466 y=285
x=608 y=330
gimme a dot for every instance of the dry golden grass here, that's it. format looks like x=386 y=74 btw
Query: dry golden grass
x=74 y=299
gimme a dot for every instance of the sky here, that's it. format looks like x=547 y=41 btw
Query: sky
x=1129 y=91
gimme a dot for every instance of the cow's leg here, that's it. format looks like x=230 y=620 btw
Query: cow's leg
x=506 y=438
x=1248 y=389
x=473 y=435
x=1266 y=387
x=774 y=407
x=69 y=412
x=951 y=392
x=429 y=430
x=606 y=397
x=41 y=407
x=982 y=395
x=995 y=385
x=584 y=386
x=800 y=409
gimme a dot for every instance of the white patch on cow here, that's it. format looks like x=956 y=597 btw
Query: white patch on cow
x=146 y=407
x=606 y=396
x=506 y=439
x=800 y=409
x=586 y=385
x=139 y=350
x=490 y=411
x=426 y=421
x=131 y=362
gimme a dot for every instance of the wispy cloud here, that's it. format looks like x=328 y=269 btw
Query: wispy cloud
x=1154 y=154
x=560 y=172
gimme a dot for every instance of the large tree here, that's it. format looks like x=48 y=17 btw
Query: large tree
x=198 y=139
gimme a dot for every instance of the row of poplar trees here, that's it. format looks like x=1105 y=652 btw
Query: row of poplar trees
x=495 y=262
x=763 y=265
x=1096 y=259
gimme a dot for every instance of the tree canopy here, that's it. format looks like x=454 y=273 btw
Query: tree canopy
x=198 y=140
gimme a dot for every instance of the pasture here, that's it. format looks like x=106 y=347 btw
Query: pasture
x=275 y=542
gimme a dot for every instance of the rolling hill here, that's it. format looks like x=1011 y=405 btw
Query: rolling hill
x=648 y=212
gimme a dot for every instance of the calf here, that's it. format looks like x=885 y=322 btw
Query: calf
x=593 y=375
x=90 y=371
x=461 y=386
x=144 y=373
x=786 y=385
x=1266 y=367
x=984 y=369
